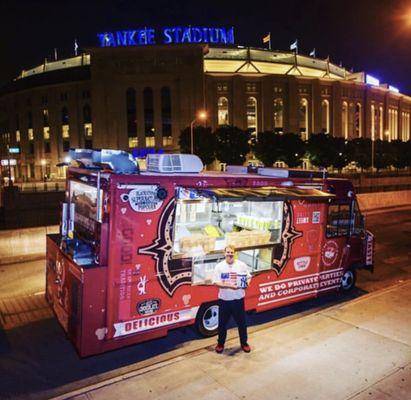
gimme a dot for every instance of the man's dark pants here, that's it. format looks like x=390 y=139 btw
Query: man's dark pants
x=227 y=309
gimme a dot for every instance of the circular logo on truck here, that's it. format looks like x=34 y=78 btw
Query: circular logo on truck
x=329 y=253
x=148 y=307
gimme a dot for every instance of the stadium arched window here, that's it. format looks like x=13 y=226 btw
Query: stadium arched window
x=166 y=116
x=30 y=120
x=149 y=116
x=46 y=117
x=344 y=119
x=65 y=129
x=222 y=111
x=392 y=124
x=278 y=115
x=252 y=115
x=325 y=116
x=374 y=115
x=131 y=113
x=88 y=127
x=64 y=116
x=395 y=124
x=303 y=118
x=406 y=132
x=30 y=132
x=381 y=123
x=358 y=120
x=86 y=114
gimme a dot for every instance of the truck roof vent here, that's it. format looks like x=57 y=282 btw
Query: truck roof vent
x=171 y=163
x=236 y=169
x=292 y=173
x=276 y=172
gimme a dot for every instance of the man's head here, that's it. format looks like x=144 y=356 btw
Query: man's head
x=229 y=252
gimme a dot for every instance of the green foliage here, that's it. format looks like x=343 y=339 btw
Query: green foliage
x=360 y=152
x=204 y=143
x=233 y=144
x=342 y=157
x=383 y=154
x=400 y=154
x=267 y=148
x=324 y=150
x=291 y=149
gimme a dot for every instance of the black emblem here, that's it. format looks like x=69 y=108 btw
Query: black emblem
x=283 y=250
x=170 y=273
x=148 y=306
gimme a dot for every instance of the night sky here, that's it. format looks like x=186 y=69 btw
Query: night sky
x=367 y=35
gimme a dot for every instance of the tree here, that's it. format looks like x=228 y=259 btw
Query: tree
x=233 y=144
x=321 y=151
x=342 y=155
x=267 y=148
x=204 y=143
x=291 y=149
x=400 y=154
x=408 y=152
x=382 y=154
x=360 y=152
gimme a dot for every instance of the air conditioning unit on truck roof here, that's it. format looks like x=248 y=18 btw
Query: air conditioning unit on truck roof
x=171 y=163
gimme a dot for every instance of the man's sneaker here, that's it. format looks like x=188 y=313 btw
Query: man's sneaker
x=246 y=347
x=219 y=348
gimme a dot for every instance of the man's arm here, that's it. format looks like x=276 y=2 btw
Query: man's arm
x=225 y=285
x=219 y=283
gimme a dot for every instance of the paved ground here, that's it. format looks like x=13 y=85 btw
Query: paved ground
x=37 y=361
x=358 y=350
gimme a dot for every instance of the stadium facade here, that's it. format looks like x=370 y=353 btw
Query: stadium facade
x=134 y=95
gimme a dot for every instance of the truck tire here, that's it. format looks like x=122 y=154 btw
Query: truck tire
x=348 y=280
x=207 y=319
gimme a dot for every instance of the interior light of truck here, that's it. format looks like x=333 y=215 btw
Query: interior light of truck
x=287 y=183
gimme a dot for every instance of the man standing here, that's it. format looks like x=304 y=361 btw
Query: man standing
x=232 y=277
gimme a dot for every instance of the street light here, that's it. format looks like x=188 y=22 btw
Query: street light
x=202 y=115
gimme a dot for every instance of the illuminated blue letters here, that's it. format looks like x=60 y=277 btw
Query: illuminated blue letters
x=171 y=35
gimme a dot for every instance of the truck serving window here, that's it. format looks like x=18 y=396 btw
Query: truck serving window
x=339 y=220
x=204 y=225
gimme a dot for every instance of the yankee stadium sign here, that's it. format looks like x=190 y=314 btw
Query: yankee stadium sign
x=173 y=35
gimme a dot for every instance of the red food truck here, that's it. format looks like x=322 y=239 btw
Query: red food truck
x=137 y=249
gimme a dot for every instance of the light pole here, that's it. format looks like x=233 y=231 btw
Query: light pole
x=202 y=115
x=372 y=151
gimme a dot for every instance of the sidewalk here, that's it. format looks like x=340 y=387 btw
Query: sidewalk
x=357 y=350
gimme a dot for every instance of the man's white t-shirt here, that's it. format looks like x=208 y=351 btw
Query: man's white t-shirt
x=227 y=273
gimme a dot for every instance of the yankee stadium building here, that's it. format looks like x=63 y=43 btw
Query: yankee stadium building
x=137 y=89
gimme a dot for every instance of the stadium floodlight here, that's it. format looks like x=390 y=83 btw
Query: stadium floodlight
x=370 y=80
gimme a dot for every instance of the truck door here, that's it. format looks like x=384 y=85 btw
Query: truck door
x=357 y=236
x=335 y=248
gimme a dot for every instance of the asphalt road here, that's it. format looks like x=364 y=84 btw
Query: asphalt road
x=37 y=361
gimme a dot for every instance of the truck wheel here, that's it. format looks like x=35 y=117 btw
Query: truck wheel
x=348 y=280
x=207 y=319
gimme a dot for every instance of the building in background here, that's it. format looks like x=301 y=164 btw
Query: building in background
x=142 y=97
